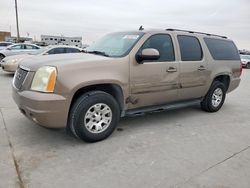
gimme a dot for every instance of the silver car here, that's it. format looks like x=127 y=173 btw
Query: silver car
x=16 y=49
x=4 y=45
x=245 y=60
x=10 y=64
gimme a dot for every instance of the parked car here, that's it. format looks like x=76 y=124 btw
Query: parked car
x=10 y=64
x=16 y=49
x=3 y=45
x=245 y=60
x=126 y=74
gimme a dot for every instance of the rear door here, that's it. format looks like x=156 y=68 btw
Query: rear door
x=155 y=82
x=29 y=48
x=193 y=67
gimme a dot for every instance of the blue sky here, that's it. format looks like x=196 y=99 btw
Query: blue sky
x=92 y=19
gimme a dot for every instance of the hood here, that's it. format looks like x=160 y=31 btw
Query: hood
x=60 y=60
x=13 y=57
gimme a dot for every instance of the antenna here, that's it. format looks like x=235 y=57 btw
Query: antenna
x=141 y=28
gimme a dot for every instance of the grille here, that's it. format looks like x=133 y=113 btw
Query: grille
x=19 y=77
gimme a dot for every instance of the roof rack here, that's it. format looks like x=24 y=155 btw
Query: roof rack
x=208 y=34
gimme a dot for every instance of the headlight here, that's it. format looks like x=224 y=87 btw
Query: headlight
x=13 y=61
x=44 y=79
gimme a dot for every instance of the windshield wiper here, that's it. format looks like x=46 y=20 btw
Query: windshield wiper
x=98 y=53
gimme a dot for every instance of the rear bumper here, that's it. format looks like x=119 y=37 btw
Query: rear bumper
x=45 y=109
x=234 y=83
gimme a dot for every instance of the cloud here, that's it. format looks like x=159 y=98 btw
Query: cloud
x=92 y=19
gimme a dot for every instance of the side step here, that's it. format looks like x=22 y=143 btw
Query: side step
x=160 y=108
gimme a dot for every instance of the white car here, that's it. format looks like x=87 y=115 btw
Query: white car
x=16 y=49
x=245 y=60
x=10 y=64
x=4 y=45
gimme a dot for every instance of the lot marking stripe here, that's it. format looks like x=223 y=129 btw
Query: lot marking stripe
x=233 y=155
x=21 y=184
x=209 y=168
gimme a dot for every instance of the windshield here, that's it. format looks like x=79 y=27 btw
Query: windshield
x=245 y=57
x=40 y=51
x=116 y=44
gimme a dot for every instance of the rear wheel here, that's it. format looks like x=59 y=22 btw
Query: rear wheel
x=248 y=65
x=94 y=116
x=215 y=97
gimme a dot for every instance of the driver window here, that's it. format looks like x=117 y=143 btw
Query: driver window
x=163 y=43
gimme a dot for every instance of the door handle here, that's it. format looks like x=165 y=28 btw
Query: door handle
x=171 y=69
x=201 y=68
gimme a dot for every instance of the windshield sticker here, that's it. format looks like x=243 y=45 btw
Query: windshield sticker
x=131 y=37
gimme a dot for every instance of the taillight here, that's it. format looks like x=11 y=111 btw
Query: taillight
x=241 y=68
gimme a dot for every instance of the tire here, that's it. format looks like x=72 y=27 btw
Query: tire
x=89 y=121
x=211 y=102
x=1 y=57
x=248 y=65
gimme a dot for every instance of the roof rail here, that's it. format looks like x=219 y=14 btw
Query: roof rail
x=208 y=34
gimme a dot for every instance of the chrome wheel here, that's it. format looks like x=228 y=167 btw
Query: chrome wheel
x=98 y=118
x=217 y=97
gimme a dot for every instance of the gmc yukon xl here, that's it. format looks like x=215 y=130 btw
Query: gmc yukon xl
x=126 y=73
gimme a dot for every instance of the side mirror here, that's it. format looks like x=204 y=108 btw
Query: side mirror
x=147 y=54
x=46 y=53
x=8 y=48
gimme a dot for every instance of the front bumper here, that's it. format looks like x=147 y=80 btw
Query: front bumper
x=9 y=67
x=45 y=109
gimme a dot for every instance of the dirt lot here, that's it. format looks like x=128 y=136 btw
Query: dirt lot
x=180 y=148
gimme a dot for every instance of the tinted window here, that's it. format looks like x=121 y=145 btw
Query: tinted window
x=222 y=49
x=190 y=48
x=57 y=51
x=72 y=50
x=163 y=43
x=5 y=44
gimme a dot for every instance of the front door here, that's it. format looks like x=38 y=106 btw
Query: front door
x=155 y=82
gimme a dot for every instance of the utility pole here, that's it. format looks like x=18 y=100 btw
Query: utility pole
x=17 y=25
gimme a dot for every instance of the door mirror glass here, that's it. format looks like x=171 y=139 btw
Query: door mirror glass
x=147 y=54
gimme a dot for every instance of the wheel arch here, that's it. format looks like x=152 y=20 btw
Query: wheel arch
x=224 y=78
x=113 y=89
x=1 y=54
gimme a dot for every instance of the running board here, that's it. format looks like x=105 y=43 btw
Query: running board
x=161 y=108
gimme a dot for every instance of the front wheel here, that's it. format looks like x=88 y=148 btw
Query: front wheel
x=248 y=65
x=1 y=57
x=215 y=97
x=94 y=116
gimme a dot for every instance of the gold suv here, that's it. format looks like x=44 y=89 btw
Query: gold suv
x=126 y=73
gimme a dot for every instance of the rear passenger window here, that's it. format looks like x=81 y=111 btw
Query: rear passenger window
x=222 y=49
x=57 y=51
x=72 y=50
x=190 y=48
x=163 y=43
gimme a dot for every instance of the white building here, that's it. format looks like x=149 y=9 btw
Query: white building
x=54 y=40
